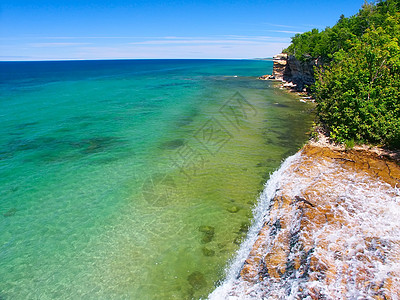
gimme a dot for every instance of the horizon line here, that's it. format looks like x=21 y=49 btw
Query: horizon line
x=110 y=59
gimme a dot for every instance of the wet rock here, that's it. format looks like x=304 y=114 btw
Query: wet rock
x=275 y=228
x=326 y=233
x=301 y=199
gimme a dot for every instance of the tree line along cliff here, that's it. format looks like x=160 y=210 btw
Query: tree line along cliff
x=353 y=71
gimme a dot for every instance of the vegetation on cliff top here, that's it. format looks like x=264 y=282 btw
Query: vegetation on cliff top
x=357 y=89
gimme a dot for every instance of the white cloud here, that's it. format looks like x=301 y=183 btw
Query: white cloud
x=39 y=45
x=228 y=46
x=223 y=40
x=280 y=25
x=239 y=50
x=285 y=31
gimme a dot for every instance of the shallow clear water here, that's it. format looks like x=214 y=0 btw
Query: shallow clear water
x=133 y=179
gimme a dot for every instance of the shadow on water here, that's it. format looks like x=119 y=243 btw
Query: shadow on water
x=111 y=158
x=280 y=105
x=171 y=145
x=11 y=212
x=25 y=125
x=20 y=144
x=184 y=121
x=188 y=118
x=51 y=149
x=97 y=144
x=5 y=155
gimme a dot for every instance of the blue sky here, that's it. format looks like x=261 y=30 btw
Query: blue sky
x=73 y=29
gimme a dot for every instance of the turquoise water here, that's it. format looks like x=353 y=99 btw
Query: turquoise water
x=133 y=179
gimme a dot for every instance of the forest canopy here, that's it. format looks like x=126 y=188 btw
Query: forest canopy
x=357 y=88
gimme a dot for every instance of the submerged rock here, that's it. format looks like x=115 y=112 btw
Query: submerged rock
x=97 y=144
x=10 y=212
x=185 y=121
x=239 y=239
x=172 y=145
x=207 y=229
x=207 y=251
x=244 y=227
x=208 y=233
x=197 y=280
x=233 y=209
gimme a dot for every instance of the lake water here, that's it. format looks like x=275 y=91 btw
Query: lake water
x=134 y=178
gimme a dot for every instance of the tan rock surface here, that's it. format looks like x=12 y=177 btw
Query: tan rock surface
x=332 y=230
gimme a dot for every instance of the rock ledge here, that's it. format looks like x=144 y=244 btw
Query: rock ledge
x=331 y=232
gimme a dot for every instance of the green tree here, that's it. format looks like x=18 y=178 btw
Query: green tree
x=324 y=44
x=358 y=95
x=358 y=87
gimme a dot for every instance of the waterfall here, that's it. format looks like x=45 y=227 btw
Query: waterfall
x=325 y=227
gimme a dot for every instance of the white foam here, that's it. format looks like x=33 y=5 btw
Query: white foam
x=235 y=266
x=371 y=210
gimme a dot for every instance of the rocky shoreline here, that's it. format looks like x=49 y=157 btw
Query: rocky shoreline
x=329 y=226
x=294 y=75
x=331 y=230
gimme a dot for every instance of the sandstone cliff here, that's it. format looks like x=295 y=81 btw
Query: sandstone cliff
x=287 y=68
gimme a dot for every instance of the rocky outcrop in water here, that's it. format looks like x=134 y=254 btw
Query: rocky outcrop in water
x=331 y=231
x=280 y=68
x=296 y=74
